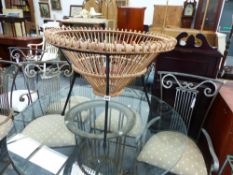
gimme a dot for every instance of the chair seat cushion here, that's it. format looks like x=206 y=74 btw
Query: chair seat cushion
x=50 y=130
x=5 y=126
x=49 y=56
x=134 y=132
x=175 y=152
x=74 y=100
x=17 y=104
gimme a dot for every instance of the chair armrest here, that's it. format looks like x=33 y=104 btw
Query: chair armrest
x=152 y=121
x=35 y=45
x=147 y=126
x=215 y=165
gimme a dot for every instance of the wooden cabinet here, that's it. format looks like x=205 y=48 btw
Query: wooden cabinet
x=131 y=18
x=191 y=58
x=213 y=14
x=28 y=12
x=220 y=124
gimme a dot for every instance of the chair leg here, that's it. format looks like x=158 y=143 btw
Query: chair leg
x=68 y=96
x=145 y=90
x=223 y=167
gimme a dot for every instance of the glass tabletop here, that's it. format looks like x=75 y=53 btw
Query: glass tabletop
x=166 y=122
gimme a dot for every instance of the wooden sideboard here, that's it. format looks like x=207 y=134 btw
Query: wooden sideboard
x=131 y=18
x=6 y=42
x=201 y=59
x=220 y=124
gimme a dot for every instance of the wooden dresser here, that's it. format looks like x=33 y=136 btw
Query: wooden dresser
x=220 y=124
x=202 y=59
x=131 y=18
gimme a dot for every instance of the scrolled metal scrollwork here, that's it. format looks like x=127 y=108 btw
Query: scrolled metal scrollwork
x=17 y=54
x=66 y=69
x=31 y=70
x=209 y=87
x=47 y=69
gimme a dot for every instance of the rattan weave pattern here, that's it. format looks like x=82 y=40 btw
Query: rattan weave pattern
x=129 y=53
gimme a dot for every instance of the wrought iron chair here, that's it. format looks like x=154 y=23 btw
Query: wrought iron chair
x=44 y=121
x=50 y=51
x=191 y=96
x=19 y=55
x=6 y=116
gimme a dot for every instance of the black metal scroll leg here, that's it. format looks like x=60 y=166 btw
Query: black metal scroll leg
x=12 y=85
x=145 y=90
x=68 y=96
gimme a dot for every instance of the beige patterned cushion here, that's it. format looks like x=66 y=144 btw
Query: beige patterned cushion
x=5 y=126
x=50 y=130
x=164 y=149
x=135 y=131
x=74 y=100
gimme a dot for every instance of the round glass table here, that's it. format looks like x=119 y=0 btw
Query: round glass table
x=29 y=156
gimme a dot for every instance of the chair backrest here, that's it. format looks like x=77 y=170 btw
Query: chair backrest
x=4 y=100
x=190 y=95
x=7 y=73
x=44 y=79
x=20 y=54
x=50 y=51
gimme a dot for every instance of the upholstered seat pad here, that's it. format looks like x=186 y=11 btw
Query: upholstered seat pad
x=164 y=150
x=74 y=100
x=5 y=126
x=18 y=105
x=49 y=56
x=50 y=130
x=134 y=132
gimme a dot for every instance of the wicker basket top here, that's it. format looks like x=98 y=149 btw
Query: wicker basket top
x=107 y=41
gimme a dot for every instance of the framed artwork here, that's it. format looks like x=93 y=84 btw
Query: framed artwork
x=75 y=10
x=44 y=9
x=56 y=4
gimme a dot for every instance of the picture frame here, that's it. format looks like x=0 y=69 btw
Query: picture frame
x=44 y=9
x=55 y=4
x=75 y=10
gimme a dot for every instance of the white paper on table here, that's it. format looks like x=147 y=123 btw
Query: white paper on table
x=44 y=157
x=22 y=145
x=15 y=138
x=48 y=159
x=75 y=170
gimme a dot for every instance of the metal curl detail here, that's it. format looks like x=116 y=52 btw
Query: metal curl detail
x=169 y=83
x=208 y=92
x=68 y=71
x=17 y=53
x=31 y=70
